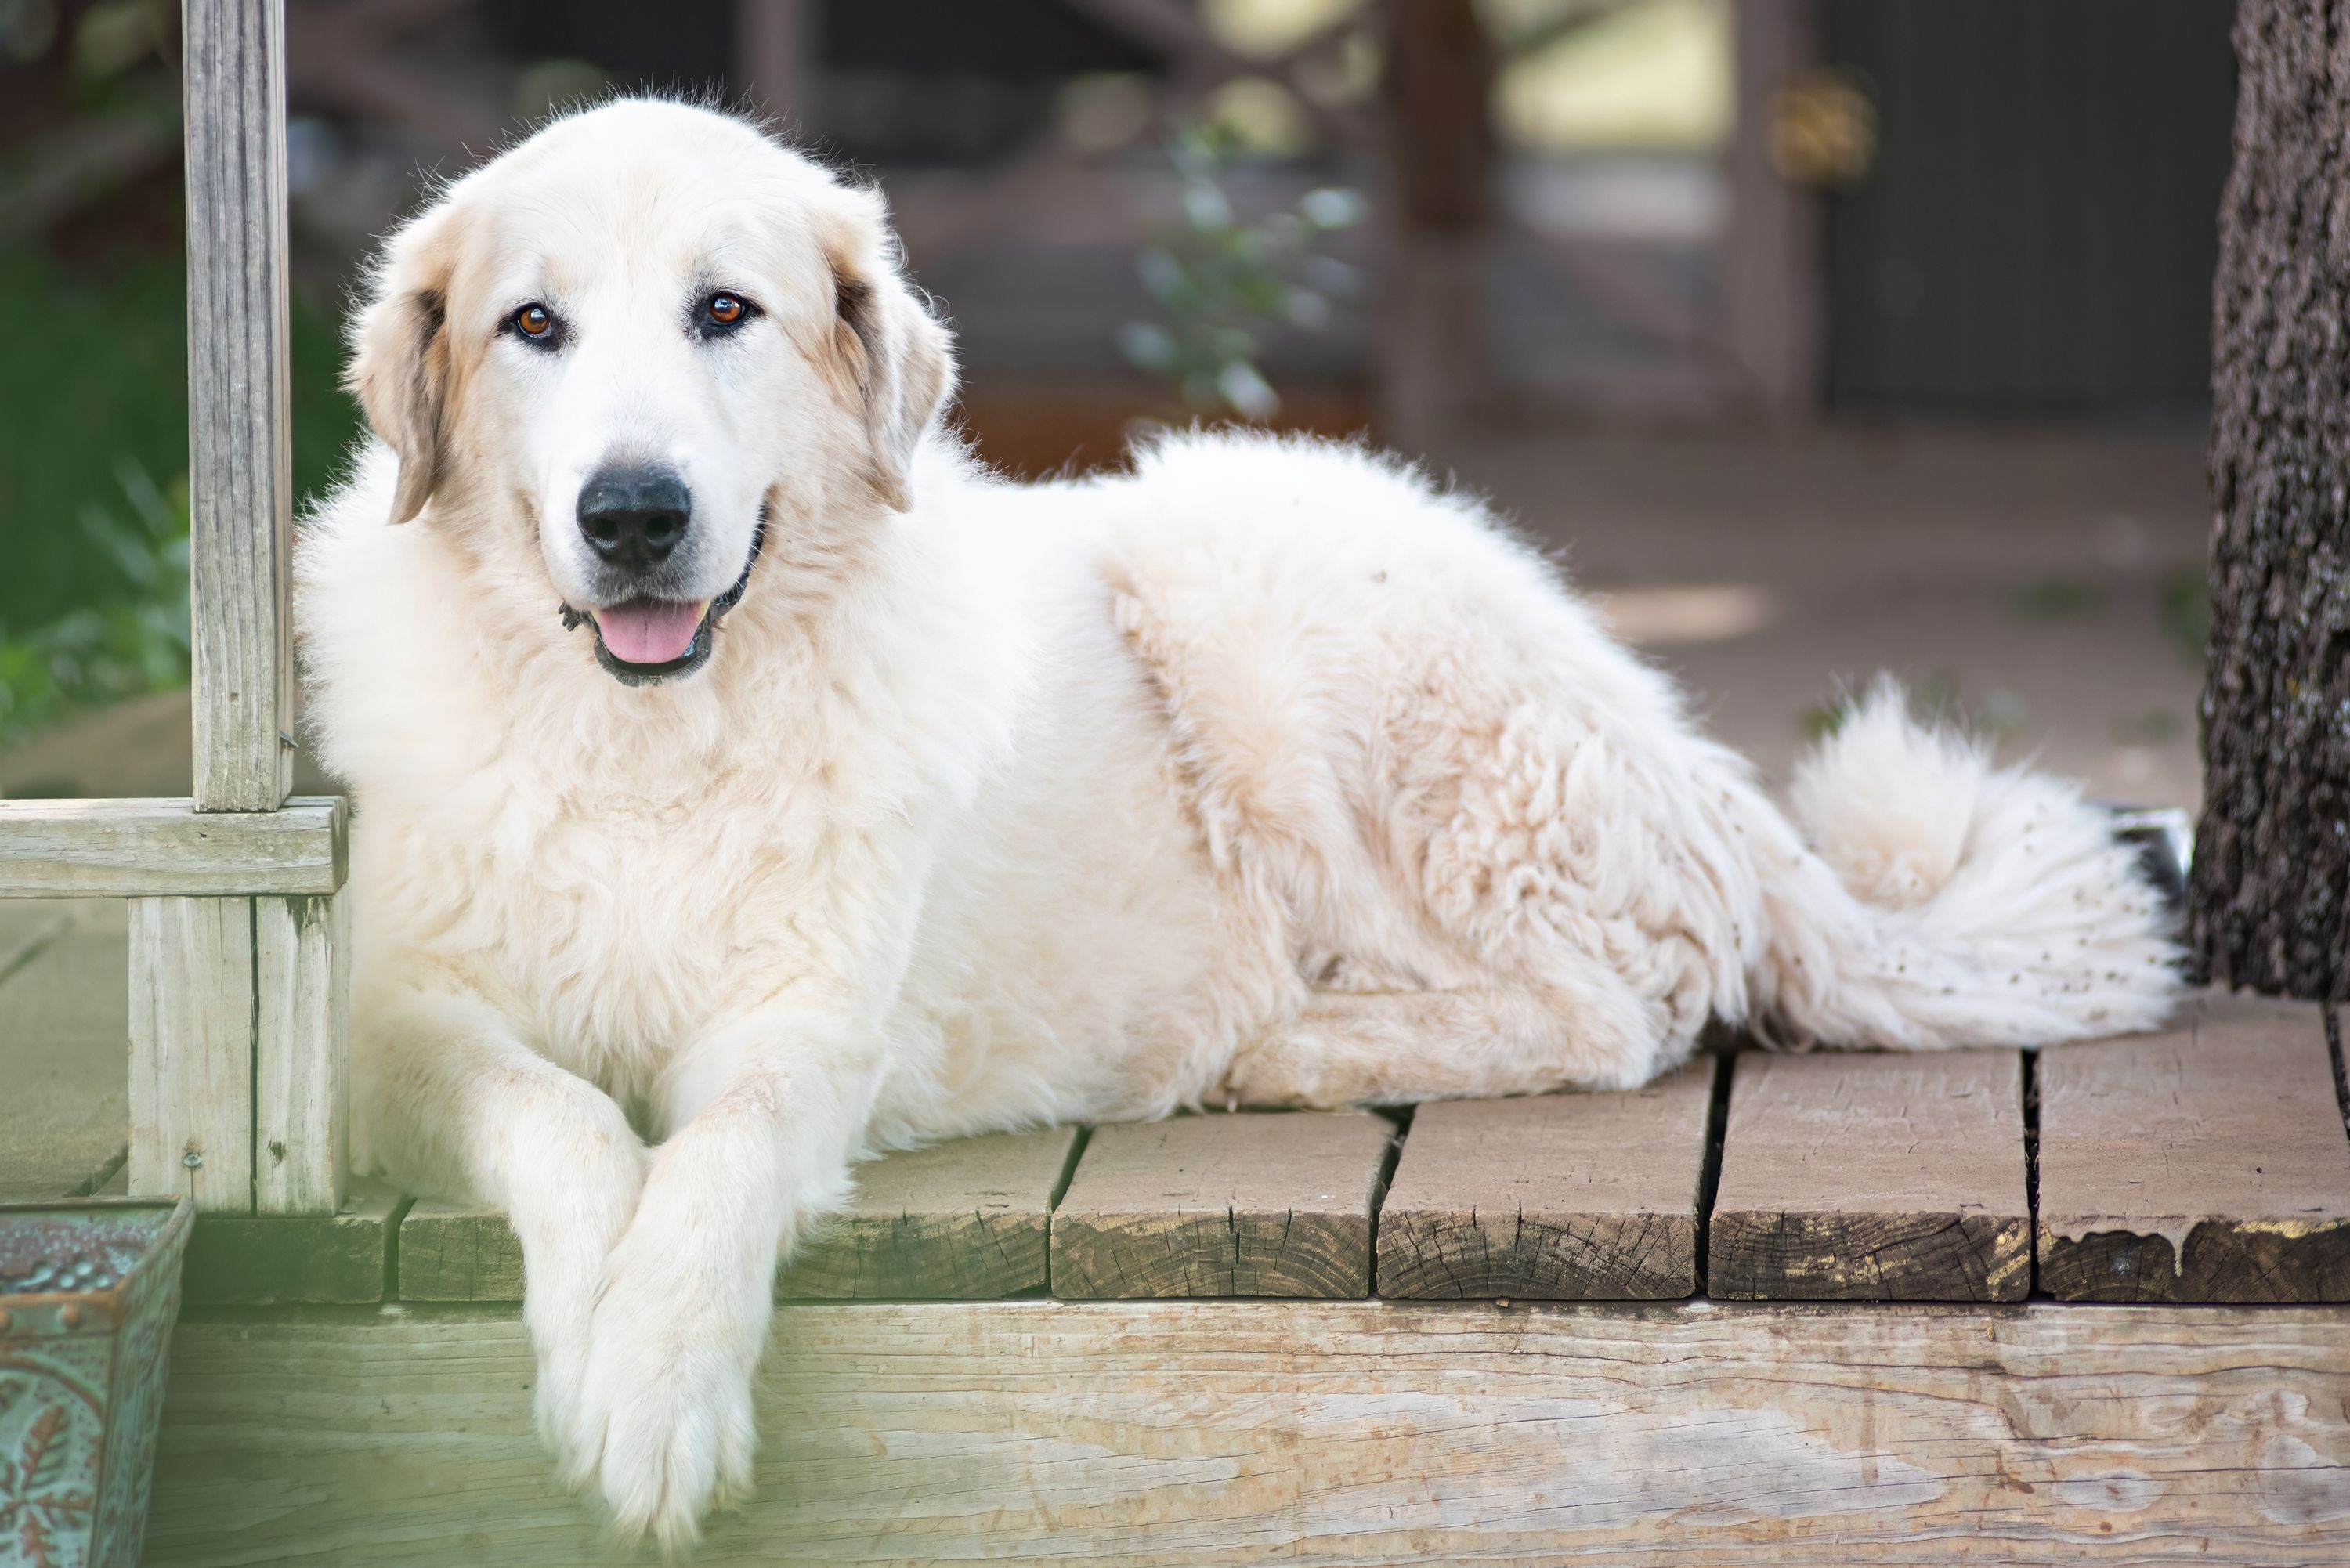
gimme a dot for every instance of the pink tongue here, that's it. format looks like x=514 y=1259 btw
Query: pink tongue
x=649 y=631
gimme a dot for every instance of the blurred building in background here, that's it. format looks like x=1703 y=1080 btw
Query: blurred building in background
x=1835 y=333
x=1683 y=208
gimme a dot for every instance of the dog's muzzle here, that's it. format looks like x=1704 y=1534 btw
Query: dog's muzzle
x=639 y=624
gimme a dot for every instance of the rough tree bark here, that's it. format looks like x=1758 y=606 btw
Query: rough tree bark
x=2270 y=904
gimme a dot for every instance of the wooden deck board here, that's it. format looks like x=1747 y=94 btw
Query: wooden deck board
x=1868 y=1178
x=457 y=1253
x=1217 y=1205
x=1555 y=1197
x=2206 y=1163
x=967 y=1220
x=1195 y=1433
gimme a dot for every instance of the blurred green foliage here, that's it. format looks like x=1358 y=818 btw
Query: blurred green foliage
x=1223 y=284
x=2057 y=598
x=94 y=378
x=134 y=641
x=93 y=493
x=2187 y=611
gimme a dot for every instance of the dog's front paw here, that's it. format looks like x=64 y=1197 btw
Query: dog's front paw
x=569 y=1226
x=561 y=1323
x=1283 y=1072
x=665 y=1404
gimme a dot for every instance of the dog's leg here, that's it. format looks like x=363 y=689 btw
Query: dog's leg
x=453 y=1098
x=1391 y=1048
x=766 y=1114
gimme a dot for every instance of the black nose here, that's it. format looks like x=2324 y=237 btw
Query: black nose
x=633 y=517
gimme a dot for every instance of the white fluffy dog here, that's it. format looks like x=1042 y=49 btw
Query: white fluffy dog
x=741 y=766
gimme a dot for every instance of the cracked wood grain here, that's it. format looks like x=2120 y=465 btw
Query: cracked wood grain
x=239 y=488
x=962 y=1220
x=1183 y=1434
x=968 y=1220
x=2206 y=1163
x=1854 y=1177
x=1551 y=1197
x=1246 y=1205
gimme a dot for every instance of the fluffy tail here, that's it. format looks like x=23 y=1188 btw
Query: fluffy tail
x=1947 y=901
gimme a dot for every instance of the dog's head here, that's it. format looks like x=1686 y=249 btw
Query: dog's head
x=623 y=351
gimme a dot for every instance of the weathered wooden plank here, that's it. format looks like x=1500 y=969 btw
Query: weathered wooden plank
x=191 y=1021
x=301 y=1129
x=239 y=484
x=1557 y=1197
x=264 y=1259
x=1850 y=1177
x=1244 y=1205
x=452 y=1251
x=164 y=847
x=1160 y=1434
x=2206 y=1163
x=65 y=1050
x=967 y=1220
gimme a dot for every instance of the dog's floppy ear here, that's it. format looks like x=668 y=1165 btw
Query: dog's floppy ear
x=399 y=366
x=899 y=359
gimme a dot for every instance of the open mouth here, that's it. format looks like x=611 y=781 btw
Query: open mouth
x=643 y=642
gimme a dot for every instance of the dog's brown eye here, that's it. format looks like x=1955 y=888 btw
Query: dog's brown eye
x=724 y=310
x=533 y=321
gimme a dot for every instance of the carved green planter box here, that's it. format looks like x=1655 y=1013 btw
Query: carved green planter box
x=87 y=1292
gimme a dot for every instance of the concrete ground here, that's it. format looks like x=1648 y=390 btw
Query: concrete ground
x=2017 y=576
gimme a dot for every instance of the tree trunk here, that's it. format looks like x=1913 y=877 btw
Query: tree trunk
x=2272 y=881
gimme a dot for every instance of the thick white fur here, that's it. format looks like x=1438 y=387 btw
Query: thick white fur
x=1263 y=772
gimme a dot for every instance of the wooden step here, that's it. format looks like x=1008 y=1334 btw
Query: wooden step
x=1203 y=1433
x=1849 y=1177
x=967 y=1220
x=2206 y=1163
x=1224 y=1205
x=1553 y=1198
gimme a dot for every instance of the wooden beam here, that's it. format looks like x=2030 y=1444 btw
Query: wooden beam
x=2206 y=1163
x=301 y=1101
x=239 y=482
x=1859 y=1177
x=1242 y=1205
x=1556 y=1197
x=191 y=1022
x=1210 y=1433
x=271 y=1260
x=168 y=848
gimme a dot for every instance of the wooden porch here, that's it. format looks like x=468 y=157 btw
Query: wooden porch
x=1985 y=1306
